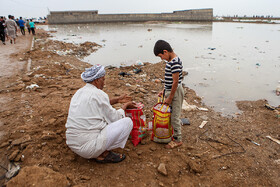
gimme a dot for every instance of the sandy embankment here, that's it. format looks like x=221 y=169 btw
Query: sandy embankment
x=217 y=154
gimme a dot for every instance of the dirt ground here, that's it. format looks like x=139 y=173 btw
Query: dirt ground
x=33 y=129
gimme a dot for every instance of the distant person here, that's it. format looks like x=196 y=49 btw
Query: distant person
x=21 y=25
x=28 y=26
x=11 y=29
x=173 y=89
x=32 y=26
x=2 y=30
x=93 y=126
x=5 y=30
x=16 y=20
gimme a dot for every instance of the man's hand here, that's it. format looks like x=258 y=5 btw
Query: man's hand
x=124 y=98
x=129 y=105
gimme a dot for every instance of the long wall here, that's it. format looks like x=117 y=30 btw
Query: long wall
x=65 y=17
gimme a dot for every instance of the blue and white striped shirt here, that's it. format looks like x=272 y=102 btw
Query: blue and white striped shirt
x=174 y=66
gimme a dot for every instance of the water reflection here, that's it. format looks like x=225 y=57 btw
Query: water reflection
x=226 y=61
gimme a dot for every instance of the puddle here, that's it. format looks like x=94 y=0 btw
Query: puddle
x=226 y=62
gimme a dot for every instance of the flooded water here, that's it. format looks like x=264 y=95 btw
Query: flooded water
x=226 y=62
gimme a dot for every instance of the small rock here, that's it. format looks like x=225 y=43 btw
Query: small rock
x=162 y=169
x=5 y=144
x=143 y=90
x=139 y=153
x=14 y=155
x=51 y=121
x=43 y=94
x=24 y=145
x=25 y=79
x=161 y=184
x=22 y=140
x=85 y=178
x=48 y=135
x=277 y=161
x=195 y=167
x=153 y=148
x=18 y=157
x=157 y=81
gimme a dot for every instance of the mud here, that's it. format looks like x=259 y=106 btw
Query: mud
x=34 y=124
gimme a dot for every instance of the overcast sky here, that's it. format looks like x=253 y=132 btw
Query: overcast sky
x=39 y=8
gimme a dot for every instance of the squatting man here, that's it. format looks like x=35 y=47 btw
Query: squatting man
x=93 y=126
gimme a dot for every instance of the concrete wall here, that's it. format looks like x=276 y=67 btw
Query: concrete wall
x=64 y=17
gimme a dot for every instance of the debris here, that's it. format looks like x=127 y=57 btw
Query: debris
x=143 y=75
x=188 y=107
x=203 y=124
x=258 y=64
x=273 y=139
x=185 y=121
x=139 y=63
x=253 y=142
x=124 y=73
x=149 y=30
x=202 y=109
x=278 y=90
x=32 y=86
x=13 y=170
x=110 y=67
x=136 y=71
x=269 y=107
x=211 y=48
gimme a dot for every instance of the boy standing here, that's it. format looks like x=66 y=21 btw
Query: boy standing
x=173 y=89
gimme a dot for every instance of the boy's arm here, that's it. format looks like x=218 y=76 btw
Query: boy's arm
x=175 y=77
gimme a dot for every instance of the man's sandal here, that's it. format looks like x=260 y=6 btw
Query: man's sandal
x=173 y=144
x=112 y=158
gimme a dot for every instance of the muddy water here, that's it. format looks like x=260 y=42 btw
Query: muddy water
x=227 y=62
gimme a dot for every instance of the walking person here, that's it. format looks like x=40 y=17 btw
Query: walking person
x=11 y=29
x=21 y=26
x=28 y=26
x=32 y=26
x=2 y=30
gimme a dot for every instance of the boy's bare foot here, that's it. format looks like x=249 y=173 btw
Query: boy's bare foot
x=173 y=144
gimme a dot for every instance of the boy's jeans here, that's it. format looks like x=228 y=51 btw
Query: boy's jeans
x=176 y=111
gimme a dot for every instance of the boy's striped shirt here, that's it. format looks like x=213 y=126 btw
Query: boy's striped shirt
x=174 y=66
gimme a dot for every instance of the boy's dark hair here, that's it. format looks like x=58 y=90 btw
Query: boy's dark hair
x=9 y=16
x=161 y=45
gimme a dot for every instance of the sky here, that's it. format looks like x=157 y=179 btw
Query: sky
x=41 y=8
